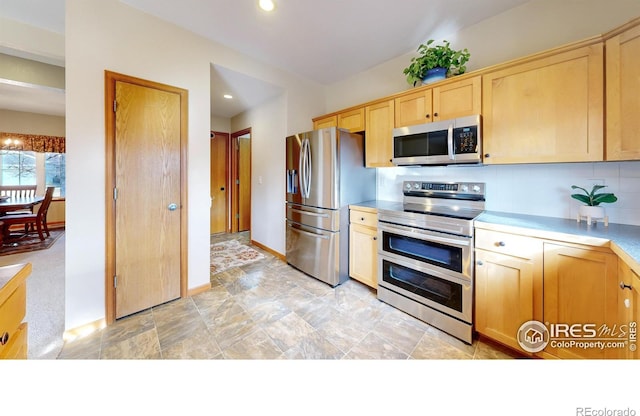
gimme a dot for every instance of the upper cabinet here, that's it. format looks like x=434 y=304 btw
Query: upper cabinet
x=352 y=120
x=546 y=108
x=623 y=93
x=379 y=119
x=443 y=102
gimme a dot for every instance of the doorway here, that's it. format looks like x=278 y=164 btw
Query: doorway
x=241 y=180
x=146 y=212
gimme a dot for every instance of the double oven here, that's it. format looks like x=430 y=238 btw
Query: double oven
x=425 y=253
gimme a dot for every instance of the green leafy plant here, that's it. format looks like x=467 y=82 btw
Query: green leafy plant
x=593 y=199
x=436 y=56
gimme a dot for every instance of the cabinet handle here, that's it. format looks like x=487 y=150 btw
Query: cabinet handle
x=435 y=114
x=487 y=155
x=501 y=244
x=4 y=339
x=623 y=286
x=361 y=218
x=375 y=238
x=479 y=263
x=428 y=115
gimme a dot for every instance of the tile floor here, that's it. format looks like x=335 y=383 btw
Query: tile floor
x=269 y=310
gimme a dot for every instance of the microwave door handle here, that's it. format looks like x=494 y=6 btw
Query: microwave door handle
x=452 y=156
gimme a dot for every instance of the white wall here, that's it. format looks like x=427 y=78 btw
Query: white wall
x=107 y=35
x=532 y=27
x=268 y=132
x=31 y=123
x=221 y=124
x=533 y=189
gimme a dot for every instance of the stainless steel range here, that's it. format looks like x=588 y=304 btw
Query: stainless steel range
x=425 y=253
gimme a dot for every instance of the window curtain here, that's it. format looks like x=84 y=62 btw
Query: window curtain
x=32 y=142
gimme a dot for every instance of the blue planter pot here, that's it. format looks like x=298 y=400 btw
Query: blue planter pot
x=435 y=74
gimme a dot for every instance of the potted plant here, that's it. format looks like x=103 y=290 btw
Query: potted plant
x=592 y=201
x=439 y=59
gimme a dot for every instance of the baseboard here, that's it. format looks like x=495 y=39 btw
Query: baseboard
x=84 y=330
x=269 y=250
x=198 y=289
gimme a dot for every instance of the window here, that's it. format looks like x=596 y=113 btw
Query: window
x=20 y=167
x=54 y=172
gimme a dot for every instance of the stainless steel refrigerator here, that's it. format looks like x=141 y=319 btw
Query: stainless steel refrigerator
x=324 y=173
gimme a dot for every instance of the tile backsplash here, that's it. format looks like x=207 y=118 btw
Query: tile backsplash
x=536 y=189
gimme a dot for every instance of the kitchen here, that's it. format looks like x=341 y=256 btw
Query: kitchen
x=514 y=184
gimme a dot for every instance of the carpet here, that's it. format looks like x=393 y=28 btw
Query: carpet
x=231 y=253
x=31 y=243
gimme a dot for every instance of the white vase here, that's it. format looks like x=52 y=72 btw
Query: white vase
x=591 y=212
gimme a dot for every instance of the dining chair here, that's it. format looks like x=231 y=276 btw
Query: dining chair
x=33 y=222
x=18 y=191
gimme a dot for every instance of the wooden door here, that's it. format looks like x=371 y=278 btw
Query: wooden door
x=352 y=120
x=379 y=119
x=580 y=287
x=146 y=233
x=546 y=110
x=458 y=99
x=219 y=186
x=244 y=182
x=623 y=100
x=504 y=296
x=414 y=108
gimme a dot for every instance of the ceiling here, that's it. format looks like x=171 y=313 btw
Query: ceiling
x=305 y=37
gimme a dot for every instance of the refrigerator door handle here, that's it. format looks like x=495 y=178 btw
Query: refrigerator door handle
x=309 y=169
x=302 y=166
x=301 y=231
x=305 y=168
x=313 y=214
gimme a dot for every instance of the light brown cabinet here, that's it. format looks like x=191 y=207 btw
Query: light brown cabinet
x=13 y=297
x=329 y=121
x=580 y=287
x=352 y=120
x=450 y=100
x=363 y=246
x=622 y=90
x=629 y=307
x=546 y=108
x=507 y=286
x=379 y=121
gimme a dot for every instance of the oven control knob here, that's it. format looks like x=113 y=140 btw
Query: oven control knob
x=464 y=188
x=416 y=186
x=408 y=186
x=476 y=188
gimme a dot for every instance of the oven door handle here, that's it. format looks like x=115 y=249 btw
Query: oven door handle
x=420 y=234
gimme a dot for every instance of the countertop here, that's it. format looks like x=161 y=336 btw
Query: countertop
x=11 y=277
x=624 y=240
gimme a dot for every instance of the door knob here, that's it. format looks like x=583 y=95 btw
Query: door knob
x=172 y=206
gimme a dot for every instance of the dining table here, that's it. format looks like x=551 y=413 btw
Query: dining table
x=18 y=203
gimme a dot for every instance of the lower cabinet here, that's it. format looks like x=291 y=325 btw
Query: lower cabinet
x=13 y=303
x=586 y=297
x=507 y=285
x=363 y=246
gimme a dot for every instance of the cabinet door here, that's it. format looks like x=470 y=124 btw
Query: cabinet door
x=457 y=99
x=580 y=287
x=352 y=120
x=414 y=108
x=548 y=109
x=629 y=308
x=504 y=296
x=363 y=259
x=331 y=121
x=379 y=119
x=623 y=100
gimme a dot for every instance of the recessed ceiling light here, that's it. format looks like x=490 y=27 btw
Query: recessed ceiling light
x=267 y=5
x=228 y=96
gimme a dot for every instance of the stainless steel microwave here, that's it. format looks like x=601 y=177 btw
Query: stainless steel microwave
x=443 y=142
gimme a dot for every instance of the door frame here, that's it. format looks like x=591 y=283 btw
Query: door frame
x=235 y=199
x=110 y=224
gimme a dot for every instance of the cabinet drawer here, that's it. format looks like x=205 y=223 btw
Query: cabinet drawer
x=16 y=348
x=511 y=244
x=12 y=311
x=369 y=219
